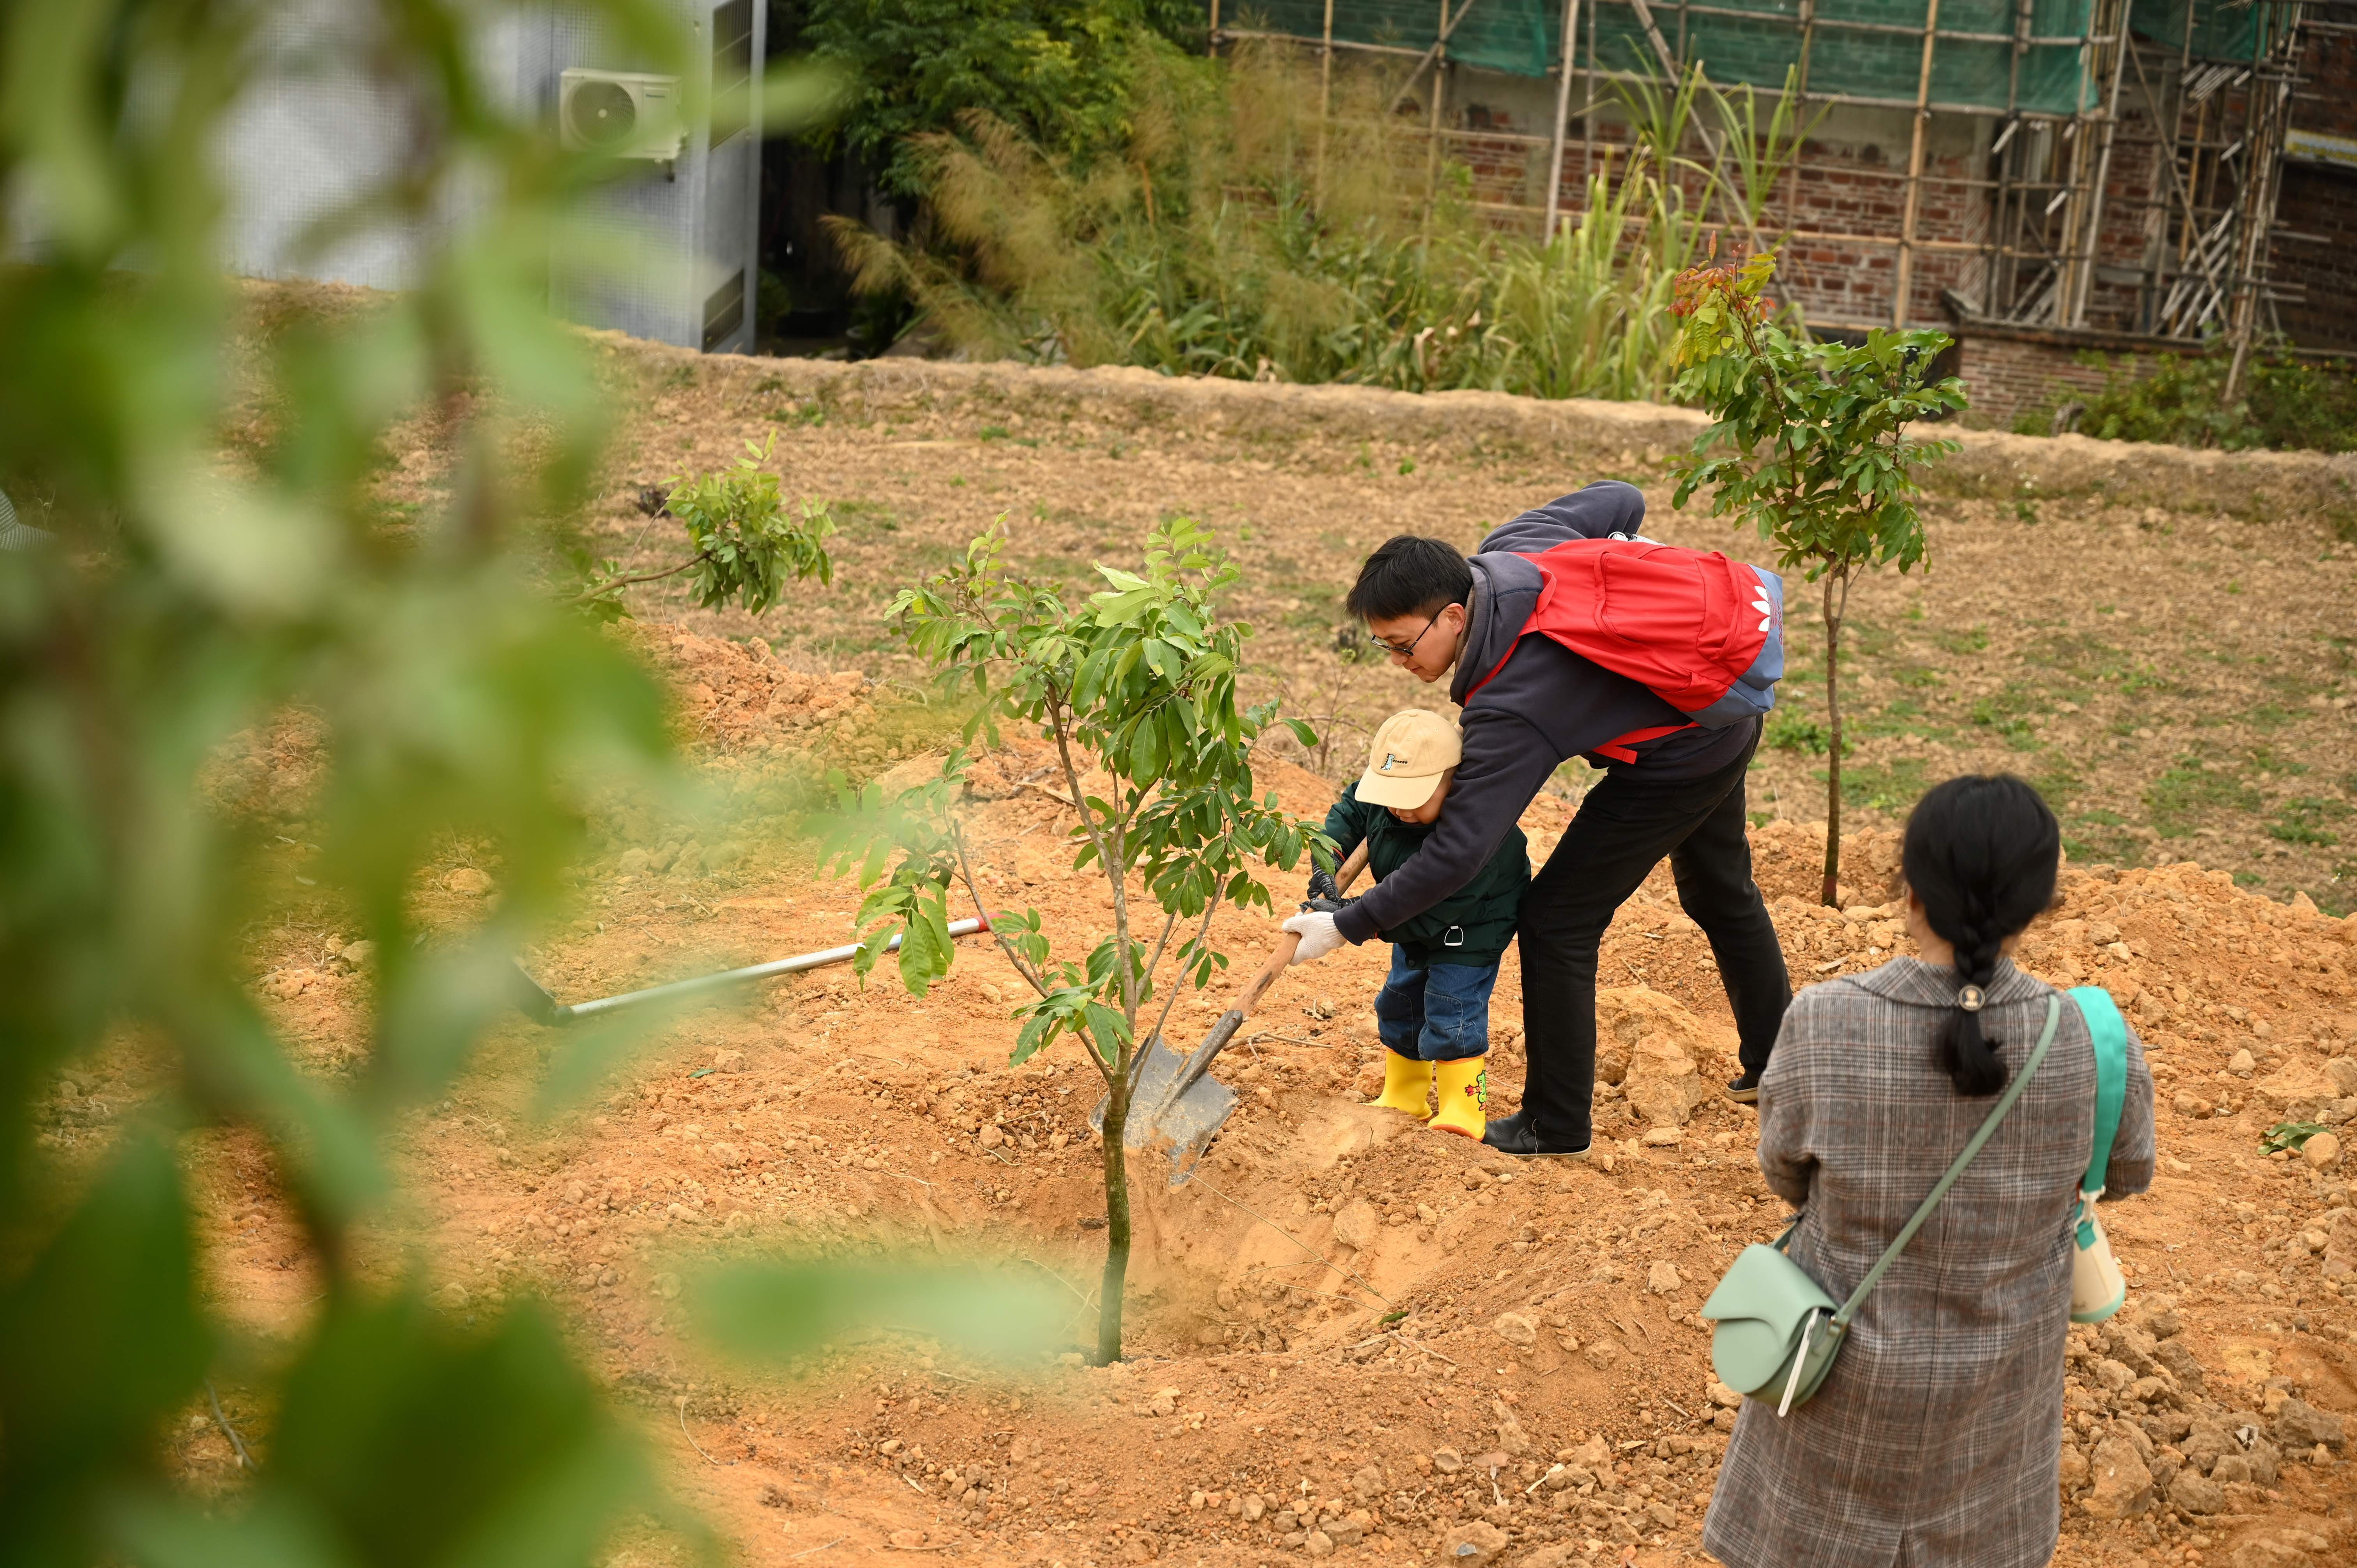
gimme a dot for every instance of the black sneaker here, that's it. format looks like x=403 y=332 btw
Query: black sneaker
x=1745 y=1090
x=1518 y=1135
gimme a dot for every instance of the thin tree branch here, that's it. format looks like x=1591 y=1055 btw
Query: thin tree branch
x=965 y=873
x=1117 y=872
x=1162 y=942
x=1058 y=726
x=602 y=590
x=237 y=1443
x=1109 y=862
x=1176 y=980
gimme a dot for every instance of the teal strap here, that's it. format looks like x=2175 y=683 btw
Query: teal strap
x=1988 y=1130
x=2110 y=1033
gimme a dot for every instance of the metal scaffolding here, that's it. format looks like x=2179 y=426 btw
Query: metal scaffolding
x=2088 y=116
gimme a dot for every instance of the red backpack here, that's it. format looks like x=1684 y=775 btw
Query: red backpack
x=1703 y=633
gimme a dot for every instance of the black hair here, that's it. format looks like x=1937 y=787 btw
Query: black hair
x=1981 y=852
x=1408 y=575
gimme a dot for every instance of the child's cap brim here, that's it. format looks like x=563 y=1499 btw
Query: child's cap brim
x=1392 y=790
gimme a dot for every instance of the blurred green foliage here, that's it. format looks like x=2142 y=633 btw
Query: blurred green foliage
x=219 y=560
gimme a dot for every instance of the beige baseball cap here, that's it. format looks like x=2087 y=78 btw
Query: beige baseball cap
x=1412 y=750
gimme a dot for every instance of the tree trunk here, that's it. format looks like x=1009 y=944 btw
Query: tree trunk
x=1116 y=1185
x=1827 y=895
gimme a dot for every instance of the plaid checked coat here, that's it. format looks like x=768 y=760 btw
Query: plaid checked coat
x=1936 y=1441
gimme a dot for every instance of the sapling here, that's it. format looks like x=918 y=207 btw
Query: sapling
x=1807 y=441
x=1136 y=691
x=749 y=545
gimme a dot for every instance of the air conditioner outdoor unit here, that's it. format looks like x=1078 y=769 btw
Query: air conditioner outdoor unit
x=630 y=114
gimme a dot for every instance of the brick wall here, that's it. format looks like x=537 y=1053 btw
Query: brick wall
x=2327 y=84
x=2314 y=256
x=1851 y=188
x=2005 y=374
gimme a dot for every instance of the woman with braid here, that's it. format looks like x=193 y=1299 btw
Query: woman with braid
x=1936 y=1440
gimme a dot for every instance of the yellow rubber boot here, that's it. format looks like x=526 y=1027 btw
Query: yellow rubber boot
x=1463 y=1089
x=1406 y=1083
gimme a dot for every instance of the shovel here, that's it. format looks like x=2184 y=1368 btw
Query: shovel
x=1176 y=1101
x=533 y=1001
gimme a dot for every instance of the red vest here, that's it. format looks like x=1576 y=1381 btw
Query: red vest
x=1703 y=633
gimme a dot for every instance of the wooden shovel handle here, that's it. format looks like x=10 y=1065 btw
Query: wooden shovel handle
x=1290 y=942
x=1287 y=946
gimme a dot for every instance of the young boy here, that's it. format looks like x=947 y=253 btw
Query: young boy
x=1433 y=1012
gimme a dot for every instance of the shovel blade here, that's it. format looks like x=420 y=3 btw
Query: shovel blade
x=1186 y=1125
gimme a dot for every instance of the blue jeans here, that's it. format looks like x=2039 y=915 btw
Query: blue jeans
x=1437 y=1014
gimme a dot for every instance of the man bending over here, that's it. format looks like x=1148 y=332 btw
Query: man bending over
x=1673 y=785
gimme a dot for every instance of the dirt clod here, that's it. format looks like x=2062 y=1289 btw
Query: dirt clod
x=1356 y=1225
x=1472 y=1544
x=1514 y=1329
x=2123 y=1485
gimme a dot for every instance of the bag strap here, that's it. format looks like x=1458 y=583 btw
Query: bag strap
x=2110 y=1034
x=1988 y=1130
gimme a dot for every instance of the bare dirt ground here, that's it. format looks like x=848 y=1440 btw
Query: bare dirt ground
x=2162 y=640
x=1546 y=1396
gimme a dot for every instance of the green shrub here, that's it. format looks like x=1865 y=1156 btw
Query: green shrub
x=2287 y=405
x=1788 y=732
x=1065 y=74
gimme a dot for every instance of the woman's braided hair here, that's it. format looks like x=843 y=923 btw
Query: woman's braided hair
x=1981 y=853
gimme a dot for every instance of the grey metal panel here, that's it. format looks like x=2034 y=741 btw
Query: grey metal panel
x=644 y=255
x=654 y=245
x=727 y=174
x=308 y=138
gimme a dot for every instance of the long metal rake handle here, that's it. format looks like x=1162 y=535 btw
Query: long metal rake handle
x=702 y=983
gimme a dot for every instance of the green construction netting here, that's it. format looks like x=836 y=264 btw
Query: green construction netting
x=2221 y=32
x=1524 y=36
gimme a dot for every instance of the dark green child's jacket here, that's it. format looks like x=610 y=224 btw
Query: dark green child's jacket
x=1481 y=914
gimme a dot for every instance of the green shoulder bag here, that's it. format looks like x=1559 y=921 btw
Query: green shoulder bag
x=1776 y=1331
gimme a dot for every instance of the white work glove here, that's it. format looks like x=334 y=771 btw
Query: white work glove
x=1318 y=934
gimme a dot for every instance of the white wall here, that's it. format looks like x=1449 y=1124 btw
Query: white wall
x=646 y=257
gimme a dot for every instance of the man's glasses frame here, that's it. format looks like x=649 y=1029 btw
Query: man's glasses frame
x=1395 y=649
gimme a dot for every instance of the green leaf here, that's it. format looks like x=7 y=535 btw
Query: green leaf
x=100 y=1344
x=772 y=1312
x=420 y=1441
x=926 y=949
x=1109 y=1029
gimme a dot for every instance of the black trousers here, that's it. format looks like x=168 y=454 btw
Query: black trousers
x=1623 y=828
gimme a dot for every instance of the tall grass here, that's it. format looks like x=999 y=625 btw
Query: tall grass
x=1239 y=235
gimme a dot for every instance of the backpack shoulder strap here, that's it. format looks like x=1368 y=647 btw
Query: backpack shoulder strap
x=1988 y=1130
x=2110 y=1032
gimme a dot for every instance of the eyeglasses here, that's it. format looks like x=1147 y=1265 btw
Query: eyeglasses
x=1395 y=649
